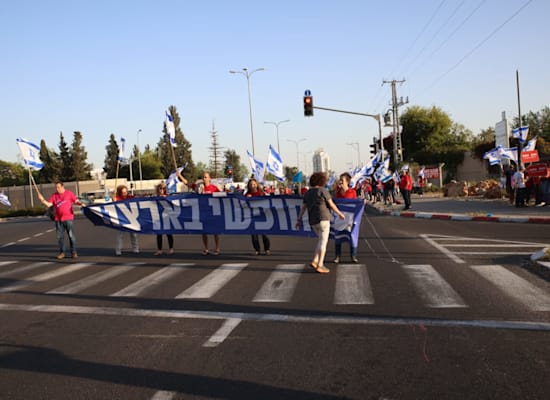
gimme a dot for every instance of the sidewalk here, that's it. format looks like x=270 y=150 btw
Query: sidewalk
x=466 y=209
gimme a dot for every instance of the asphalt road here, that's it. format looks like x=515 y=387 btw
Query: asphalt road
x=435 y=309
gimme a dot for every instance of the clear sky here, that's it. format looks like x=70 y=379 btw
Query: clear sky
x=103 y=67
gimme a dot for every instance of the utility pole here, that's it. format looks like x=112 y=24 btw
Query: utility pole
x=397 y=147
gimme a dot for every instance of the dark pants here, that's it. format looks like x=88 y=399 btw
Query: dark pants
x=338 y=250
x=256 y=242
x=406 y=198
x=170 y=241
x=521 y=194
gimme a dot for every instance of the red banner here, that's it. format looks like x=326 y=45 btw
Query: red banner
x=529 y=156
x=431 y=173
x=538 y=170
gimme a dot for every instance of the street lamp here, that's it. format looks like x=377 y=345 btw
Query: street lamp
x=277 y=126
x=355 y=145
x=248 y=74
x=297 y=142
x=139 y=160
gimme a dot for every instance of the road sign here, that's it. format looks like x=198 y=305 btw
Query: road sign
x=307 y=93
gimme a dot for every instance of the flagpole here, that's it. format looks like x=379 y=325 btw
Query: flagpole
x=520 y=143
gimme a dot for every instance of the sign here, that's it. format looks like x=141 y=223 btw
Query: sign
x=431 y=173
x=529 y=156
x=540 y=170
x=307 y=93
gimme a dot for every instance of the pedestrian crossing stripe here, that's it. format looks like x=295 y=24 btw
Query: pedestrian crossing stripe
x=352 y=283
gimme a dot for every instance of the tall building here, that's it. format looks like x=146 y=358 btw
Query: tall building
x=321 y=161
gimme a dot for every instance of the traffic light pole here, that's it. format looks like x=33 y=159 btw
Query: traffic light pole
x=375 y=116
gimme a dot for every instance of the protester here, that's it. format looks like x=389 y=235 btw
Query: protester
x=318 y=203
x=62 y=201
x=405 y=187
x=518 y=181
x=207 y=187
x=253 y=189
x=343 y=191
x=162 y=190
x=122 y=194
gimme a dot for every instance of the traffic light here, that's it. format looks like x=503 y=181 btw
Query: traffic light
x=387 y=119
x=229 y=170
x=374 y=148
x=308 y=106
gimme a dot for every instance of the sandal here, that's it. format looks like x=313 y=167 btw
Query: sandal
x=170 y=252
x=205 y=252
x=216 y=252
x=158 y=253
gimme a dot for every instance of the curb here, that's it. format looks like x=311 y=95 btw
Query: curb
x=463 y=217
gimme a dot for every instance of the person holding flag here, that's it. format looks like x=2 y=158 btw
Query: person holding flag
x=62 y=201
x=343 y=191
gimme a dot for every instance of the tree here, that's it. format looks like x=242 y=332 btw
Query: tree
x=483 y=142
x=234 y=160
x=216 y=167
x=181 y=153
x=12 y=174
x=79 y=157
x=539 y=125
x=111 y=157
x=51 y=172
x=67 y=169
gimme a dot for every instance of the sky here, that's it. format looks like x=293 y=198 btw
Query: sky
x=114 y=67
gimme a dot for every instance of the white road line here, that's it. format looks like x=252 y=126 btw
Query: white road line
x=442 y=249
x=163 y=395
x=280 y=285
x=514 y=286
x=485 y=245
x=38 y=234
x=94 y=279
x=62 y=270
x=144 y=284
x=352 y=285
x=7 y=245
x=432 y=288
x=297 y=319
x=221 y=334
x=23 y=269
x=23 y=239
x=471 y=239
x=211 y=283
x=502 y=253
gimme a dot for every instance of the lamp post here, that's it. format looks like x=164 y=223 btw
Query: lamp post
x=139 y=161
x=277 y=126
x=248 y=74
x=355 y=145
x=297 y=142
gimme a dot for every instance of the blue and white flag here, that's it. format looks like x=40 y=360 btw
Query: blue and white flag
x=274 y=164
x=510 y=153
x=377 y=159
x=531 y=144
x=383 y=172
x=521 y=133
x=257 y=167
x=4 y=200
x=421 y=173
x=173 y=180
x=170 y=128
x=331 y=180
x=121 y=149
x=493 y=156
x=30 y=153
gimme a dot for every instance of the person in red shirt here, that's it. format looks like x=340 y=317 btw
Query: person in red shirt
x=62 y=201
x=343 y=191
x=208 y=187
x=253 y=190
x=122 y=194
x=405 y=187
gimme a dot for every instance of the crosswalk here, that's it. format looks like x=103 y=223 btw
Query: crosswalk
x=352 y=285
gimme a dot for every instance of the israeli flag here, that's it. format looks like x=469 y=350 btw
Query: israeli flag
x=274 y=164
x=421 y=173
x=30 y=153
x=257 y=167
x=494 y=156
x=170 y=128
x=4 y=200
x=173 y=180
x=521 y=133
x=509 y=153
x=121 y=149
x=531 y=144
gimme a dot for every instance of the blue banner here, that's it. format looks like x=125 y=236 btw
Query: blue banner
x=220 y=213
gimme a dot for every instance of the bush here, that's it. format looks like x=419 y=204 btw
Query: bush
x=26 y=212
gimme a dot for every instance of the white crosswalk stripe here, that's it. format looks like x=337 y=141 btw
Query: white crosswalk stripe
x=352 y=285
x=516 y=287
x=2 y=263
x=214 y=281
x=432 y=288
x=89 y=281
x=66 y=269
x=280 y=285
x=25 y=268
x=143 y=285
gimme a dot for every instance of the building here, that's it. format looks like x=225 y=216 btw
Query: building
x=321 y=161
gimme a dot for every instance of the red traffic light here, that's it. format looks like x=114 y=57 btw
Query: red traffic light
x=308 y=106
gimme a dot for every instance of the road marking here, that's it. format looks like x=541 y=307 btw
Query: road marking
x=280 y=285
x=514 y=286
x=65 y=269
x=443 y=249
x=432 y=288
x=211 y=283
x=221 y=334
x=258 y=317
x=163 y=395
x=23 y=239
x=352 y=285
x=2 y=263
x=23 y=269
x=144 y=284
x=7 y=245
x=89 y=281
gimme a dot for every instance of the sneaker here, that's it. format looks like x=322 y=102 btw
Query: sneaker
x=354 y=259
x=60 y=256
x=75 y=254
x=336 y=260
x=118 y=253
